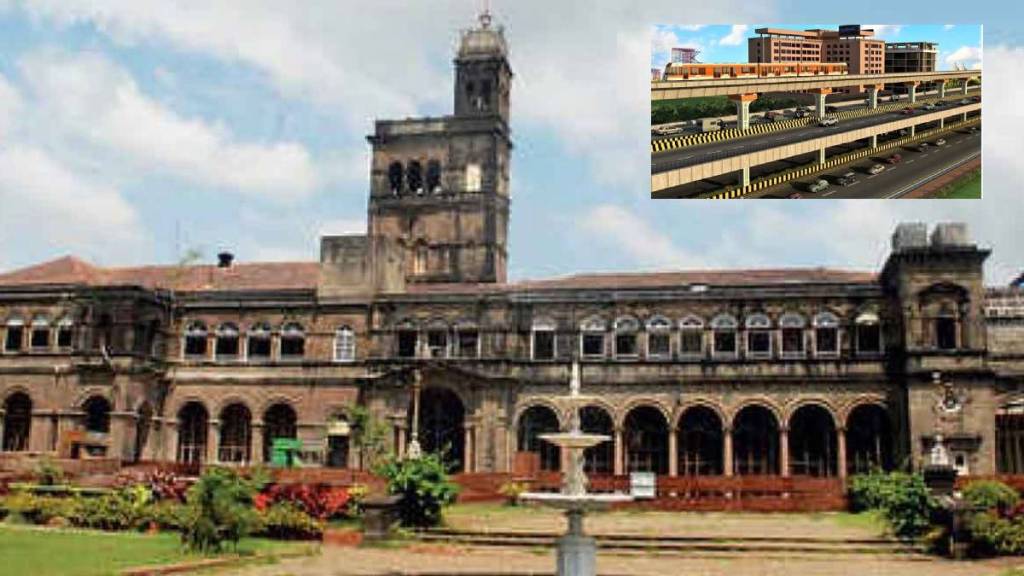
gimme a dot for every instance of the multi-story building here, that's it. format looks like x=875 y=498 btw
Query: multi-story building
x=852 y=45
x=802 y=371
x=910 y=57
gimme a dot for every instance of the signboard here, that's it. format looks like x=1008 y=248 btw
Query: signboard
x=849 y=30
x=643 y=484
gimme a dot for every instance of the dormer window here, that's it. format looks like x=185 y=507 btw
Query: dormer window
x=39 y=338
x=195 y=340
x=759 y=336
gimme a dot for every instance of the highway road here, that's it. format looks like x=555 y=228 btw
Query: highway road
x=916 y=169
x=698 y=154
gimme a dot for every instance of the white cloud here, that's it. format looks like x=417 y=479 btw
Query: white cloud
x=10 y=106
x=620 y=229
x=691 y=27
x=343 y=226
x=966 y=55
x=736 y=36
x=55 y=208
x=948 y=27
x=663 y=40
x=92 y=100
x=884 y=30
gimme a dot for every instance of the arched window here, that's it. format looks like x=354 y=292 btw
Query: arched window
x=945 y=328
x=826 y=334
x=437 y=339
x=407 y=337
x=195 y=340
x=691 y=337
x=724 y=327
x=39 y=337
x=792 y=327
x=759 y=336
x=467 y=340
x=344 y=345
x=227 y=342
x=659 y=338
x=414 y=177
x=626 y=336
x=15 y=336
x=433 y=176
x=542 y=343
x=293 y=341
x=869 y=334
x=257 y=346
x=65 y=333
x=395 y=178
x=592 y=337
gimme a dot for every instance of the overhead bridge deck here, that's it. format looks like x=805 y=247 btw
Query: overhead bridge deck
x=723 y=162
x=675 y=89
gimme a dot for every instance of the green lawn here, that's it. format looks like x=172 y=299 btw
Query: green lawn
x=968 y=187
x=51 y=552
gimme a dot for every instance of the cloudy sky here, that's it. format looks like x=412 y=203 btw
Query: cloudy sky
x=958 y=44
x=131 y=130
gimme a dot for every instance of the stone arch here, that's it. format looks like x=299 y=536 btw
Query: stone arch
x=280 y=420
x=792 y=407
x=235 y=442
x=700 y=431
x=268 y=402
x=708 y=403
x=442 y=424
x=646 y=438
x=533 y=401
x=598 y=417
x=17 y=422
x=843 y=414
x=870 y=437
x=245 y=400
x=537 y=419
x=763 y=402
x=813 y=444
x=193 y=428
x=755 y=439
x=97 y=410
x=651 y=401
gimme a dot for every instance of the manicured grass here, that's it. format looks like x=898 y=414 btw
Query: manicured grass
x=870 y=520
x=52 y=552
x=968 y=187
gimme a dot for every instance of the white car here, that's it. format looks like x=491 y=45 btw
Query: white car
x=828 y=121
x=876 y=169
x=940 y=142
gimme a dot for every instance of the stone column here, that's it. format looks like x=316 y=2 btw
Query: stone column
x=966 y=82
x=784 y=451
x=942 y=122
x=122 y=425
x=256 y=447
x=169 y=440
x=727 y=451
x=212 y=441
x=618 y=467
x=40 y=431
x=673 y=452
x=743 y=109
x=841 y=451
x=467 y=451
x=400 y=433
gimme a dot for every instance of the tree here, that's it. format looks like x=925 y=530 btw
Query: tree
x=424 y=486
x=219 y=508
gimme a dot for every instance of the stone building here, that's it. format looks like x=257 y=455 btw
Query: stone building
x=802 y=371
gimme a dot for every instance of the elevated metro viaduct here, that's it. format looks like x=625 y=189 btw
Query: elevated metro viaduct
x=743 y=91
x=741 y=163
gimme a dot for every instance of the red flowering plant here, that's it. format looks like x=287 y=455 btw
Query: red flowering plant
x=318 y=500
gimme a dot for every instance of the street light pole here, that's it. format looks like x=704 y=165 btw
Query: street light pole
x=413 y=449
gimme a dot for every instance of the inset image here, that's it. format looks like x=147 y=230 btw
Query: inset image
x=816 y=111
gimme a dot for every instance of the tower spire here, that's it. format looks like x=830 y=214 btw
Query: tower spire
x=485 y=15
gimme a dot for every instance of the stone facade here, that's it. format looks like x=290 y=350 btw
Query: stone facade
x=788 y=371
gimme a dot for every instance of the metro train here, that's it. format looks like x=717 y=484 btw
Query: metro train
x=679 y=71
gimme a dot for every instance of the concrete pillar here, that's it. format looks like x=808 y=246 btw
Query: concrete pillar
x=673 y=452
x=964 y=118
x=841 y=452
x=942 y=89
x=212 y=441
x=821 y=155
x=874 y=140
x=256 y=449
x=942 y=122
x=745 y=177
x=965 y=86
x=727 y=451
x=912 y=89
x=743 y=109
x=913 y=130
x=619 y=456
x=819 y=106
x=873 y=97
x=784 y=451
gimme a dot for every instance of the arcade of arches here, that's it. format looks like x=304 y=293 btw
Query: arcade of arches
x=702 y=443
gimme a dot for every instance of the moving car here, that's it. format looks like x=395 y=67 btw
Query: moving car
x=965 y=101
x=818 y=186
x=831 y=109
x=795 y=195
x=907 y=111
x=800 y=113
x=923 y=146
x=929 y=106
x=847 y=179
x=940 y=142
x=894 y=159
x=876 y=169
x=976 y=98
x=772 y=116
x=668 y=130
x=828 y=121
x=710 y=124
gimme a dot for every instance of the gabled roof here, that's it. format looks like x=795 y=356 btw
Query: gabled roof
x=186 y=278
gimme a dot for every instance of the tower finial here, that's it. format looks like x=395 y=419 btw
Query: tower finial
x=485 y=15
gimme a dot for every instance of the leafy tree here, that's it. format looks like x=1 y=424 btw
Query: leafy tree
x=219 y=509
x=424 y=486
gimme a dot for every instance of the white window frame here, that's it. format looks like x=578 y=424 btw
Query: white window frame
x=867 y=319
x=691 y=323
x=725 y=323
x=14 y=322
x=345 y=344
x=754 y=324
x=662 y=326
x=543 y=325
x=792 y=321
x=826 y=321
x=629 y=326
x=595 y=325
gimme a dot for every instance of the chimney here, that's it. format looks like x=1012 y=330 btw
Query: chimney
x=224 y=259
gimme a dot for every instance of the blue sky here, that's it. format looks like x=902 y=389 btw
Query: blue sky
x=131 y=130
x=958 y=43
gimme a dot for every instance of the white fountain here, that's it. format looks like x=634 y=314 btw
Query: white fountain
x=577 y=552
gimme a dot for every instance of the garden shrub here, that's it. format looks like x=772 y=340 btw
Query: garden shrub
x=512 y=490
x=38 y=509
x=991 y=495
x=319 y=500
x=288 y=522
x=993 y=534
x=49 y=474
x=220 y=509
x=424 y=486
x=123 y=509
x=167 y=515
x=903 y=498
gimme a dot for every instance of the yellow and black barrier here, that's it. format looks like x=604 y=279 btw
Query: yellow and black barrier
x=785 y=176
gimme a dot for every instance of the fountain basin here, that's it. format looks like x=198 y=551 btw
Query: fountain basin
x=574 y=440
x=585 y=502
